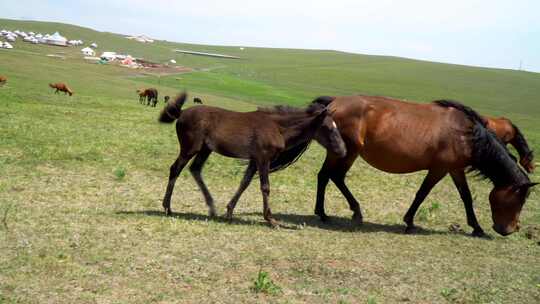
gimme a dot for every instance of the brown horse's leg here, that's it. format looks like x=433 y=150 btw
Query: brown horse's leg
x=460 y=180
x=195 y=168
x=336 y=169
x=248 y=176
x=432 y=178
x=263 y=168
x=176 y=169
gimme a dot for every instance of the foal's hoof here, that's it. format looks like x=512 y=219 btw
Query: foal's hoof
x=411 y=230
x=212 y=213
x=273 y=223
x=168 y=211
x=357 y=219
x=478 y=232
x=323 y=217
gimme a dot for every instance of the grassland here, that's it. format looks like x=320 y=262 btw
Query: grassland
x=82 y=177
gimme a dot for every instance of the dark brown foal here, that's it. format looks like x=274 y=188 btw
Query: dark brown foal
x=271 y=139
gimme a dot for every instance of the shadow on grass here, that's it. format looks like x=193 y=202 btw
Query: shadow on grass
x=297 y=221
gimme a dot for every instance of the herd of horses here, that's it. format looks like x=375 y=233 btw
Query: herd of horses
x=443 y=137
x=150 y=95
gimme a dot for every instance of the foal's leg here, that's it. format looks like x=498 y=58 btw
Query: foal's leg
x=432 y=178
x=195 y=168
x=248 y=176
x=176 y=169
x=263 y=168
x=461 y=184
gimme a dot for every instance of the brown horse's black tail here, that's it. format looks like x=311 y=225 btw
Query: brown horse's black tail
x=172 y=110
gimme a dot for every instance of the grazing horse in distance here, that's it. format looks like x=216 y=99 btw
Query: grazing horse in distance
x=443 y=137
x=166 y=99
x=3 y=80
x=509 y=133
x=60 y=86
x=150 y=94
x=197 y=100
x=271 y=139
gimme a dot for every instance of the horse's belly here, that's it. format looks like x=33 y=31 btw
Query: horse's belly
x=393 y=161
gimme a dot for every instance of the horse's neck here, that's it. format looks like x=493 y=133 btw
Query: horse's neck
x=295 y=129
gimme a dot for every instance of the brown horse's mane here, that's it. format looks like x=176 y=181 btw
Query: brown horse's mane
x=490 y=157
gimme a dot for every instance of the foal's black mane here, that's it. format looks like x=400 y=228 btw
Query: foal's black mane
x=290 y=156
x=521 y=144
x=283 y=110
x=490 y=158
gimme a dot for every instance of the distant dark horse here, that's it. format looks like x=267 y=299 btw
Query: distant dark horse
x=509 y=133
x=60 y=86
x=150 y=94
x=443 y=137
x=166 y=99
x=3 y=80
x=271 y=139
x=197 y=100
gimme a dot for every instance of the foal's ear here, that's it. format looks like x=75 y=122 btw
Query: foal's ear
x=524 y=187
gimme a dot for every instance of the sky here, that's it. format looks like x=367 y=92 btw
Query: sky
x=496 y=33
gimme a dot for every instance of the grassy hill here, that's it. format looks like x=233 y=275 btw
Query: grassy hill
x=82 y=177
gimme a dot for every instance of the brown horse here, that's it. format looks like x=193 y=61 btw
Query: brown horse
x=60 y=86
x=197 y=100
x=509 y=133
x=150 y=94
x=166 y=99
x=3 y=80
x=271 y=139
x=443 y=138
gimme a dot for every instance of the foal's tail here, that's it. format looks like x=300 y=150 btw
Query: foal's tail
x=172 y=110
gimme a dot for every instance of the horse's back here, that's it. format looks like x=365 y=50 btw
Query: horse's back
x=229 y=132
x=400 y=136
x=502 y=127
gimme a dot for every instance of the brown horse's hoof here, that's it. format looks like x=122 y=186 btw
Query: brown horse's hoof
x=168 y=212
x=478 y=232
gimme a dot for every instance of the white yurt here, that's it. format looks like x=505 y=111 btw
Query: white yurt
x=56 y=39
x=88 y=51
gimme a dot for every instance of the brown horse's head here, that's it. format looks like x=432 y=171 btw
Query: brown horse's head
x=506 y=203
x=328 y=135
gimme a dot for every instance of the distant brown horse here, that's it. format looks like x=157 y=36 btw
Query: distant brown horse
x=3 y=80
x=442 y=137
x=166 y=99
x=197 y=100
x=271 y=139
x=509 y=133
x=60 y=86
x=150 y=94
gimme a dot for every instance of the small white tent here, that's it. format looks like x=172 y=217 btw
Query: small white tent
x=56 y=39
x=88 y=51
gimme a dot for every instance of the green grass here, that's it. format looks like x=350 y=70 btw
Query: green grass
x=82 y=178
